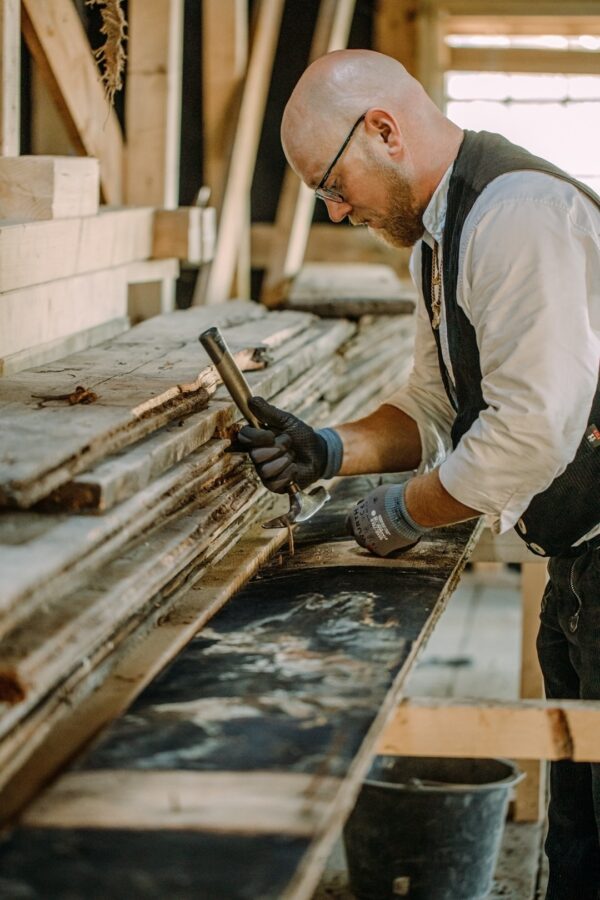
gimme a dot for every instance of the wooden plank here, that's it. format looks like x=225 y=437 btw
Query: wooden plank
x=74 y=623
x=243 y=155
x=313 y=664
x=342 y=243
x=56 y=309
x=48 y=187
x=36 y=252
x=60 y=48
x=350 y=290
x=10 y=77
x=118 y=477
x=49 y=351
x=186 y=233
x=296 y=201
x=527 y=730
x=153 y=110
x=143 y=379
x=509 y=59
x=240 y=803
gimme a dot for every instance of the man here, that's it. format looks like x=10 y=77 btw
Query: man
x=501 y=413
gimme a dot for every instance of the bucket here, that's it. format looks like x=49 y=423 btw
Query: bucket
x=428 y=828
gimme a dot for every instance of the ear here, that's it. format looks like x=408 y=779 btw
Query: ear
x=382 y=125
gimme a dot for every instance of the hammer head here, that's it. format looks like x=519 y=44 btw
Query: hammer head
x=302 y=506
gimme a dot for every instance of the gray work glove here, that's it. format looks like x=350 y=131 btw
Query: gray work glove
x=381 y=523
x=287 y=449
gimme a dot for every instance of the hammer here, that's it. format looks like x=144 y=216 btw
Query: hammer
x=302 y=505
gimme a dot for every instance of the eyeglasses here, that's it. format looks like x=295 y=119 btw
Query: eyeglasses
x=328 y=193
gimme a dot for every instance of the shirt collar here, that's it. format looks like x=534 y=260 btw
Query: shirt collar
x=434 y=217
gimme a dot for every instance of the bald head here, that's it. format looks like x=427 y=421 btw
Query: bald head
x=339 y=87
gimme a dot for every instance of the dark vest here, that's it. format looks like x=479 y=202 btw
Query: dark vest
x=570 y=506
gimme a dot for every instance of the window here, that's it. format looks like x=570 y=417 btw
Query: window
x=554 y=116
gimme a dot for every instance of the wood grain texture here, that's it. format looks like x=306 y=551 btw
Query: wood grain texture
x=60 y=48
x=141 y=380
x=231 y=802
x=35 y=252
x=48 y=187
x=530 y=730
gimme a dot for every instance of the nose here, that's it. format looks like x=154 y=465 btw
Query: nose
x=337 y=212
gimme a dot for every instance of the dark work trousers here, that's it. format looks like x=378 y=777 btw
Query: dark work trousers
x=568 y=646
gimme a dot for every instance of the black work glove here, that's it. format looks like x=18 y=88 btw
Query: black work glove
x=381 y=523
x=285 y=450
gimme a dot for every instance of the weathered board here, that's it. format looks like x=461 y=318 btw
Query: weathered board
x=350 y=290
x=122 y=474
x=295 y=677
x=140 y=381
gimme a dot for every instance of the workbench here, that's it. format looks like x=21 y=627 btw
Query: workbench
x=232 y=773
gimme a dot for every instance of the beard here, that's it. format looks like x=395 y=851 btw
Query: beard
x=402 y=225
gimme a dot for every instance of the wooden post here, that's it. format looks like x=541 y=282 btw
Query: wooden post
x=10 y=76
x=153 y=111
x=396 y=32
x=224 y=61
x=153 y=117
x=296 y=201
x=530 y=801
x=433 y=54
x=243 y=156
x=60 y=49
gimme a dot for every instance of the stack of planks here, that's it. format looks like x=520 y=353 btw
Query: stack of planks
x=67 y=264
x=119 y=495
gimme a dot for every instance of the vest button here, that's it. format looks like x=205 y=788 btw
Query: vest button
x=535 y=548
x=522 y=526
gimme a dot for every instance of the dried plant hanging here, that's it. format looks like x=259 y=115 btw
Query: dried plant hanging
x=111 y=55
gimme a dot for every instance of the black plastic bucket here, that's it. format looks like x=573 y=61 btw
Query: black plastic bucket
x=428 y=828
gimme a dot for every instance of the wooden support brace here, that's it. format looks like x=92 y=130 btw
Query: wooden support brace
x=60 y=48
x=528 y=729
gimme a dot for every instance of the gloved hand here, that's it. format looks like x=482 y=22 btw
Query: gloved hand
x=381 y=523
x=288 y=449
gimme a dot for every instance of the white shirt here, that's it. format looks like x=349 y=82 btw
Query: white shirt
x=529 y=283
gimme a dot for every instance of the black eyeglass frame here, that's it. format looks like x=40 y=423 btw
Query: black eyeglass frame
x=328 y=193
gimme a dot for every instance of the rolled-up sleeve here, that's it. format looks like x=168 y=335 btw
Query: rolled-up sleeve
x=423 y=397
x=529 y=274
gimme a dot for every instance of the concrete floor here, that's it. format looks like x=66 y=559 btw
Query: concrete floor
x=474 y=652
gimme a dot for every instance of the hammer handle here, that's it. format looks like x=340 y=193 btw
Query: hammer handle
x=213 y=342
